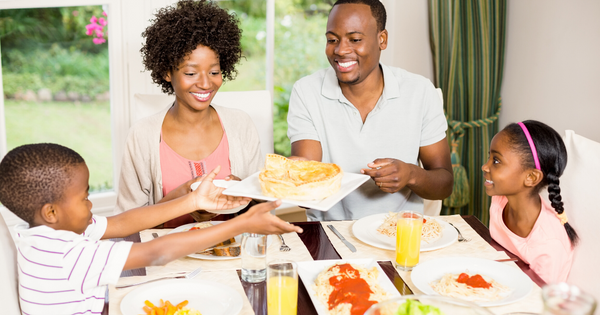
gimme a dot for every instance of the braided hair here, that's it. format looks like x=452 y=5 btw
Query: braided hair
x=552 y=155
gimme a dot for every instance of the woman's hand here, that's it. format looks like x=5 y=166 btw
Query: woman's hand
x=259 y=220
x=182 y=189
x=232 y=177
x=210 y=197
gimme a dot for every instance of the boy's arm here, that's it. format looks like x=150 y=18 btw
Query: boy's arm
x=207 y=196
x=172 y=246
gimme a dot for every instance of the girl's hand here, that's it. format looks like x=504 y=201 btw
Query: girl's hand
x=210 y=197
x=259 y=220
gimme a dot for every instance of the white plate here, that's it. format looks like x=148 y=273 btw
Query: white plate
x=238 y=239
x=365 y=229
x=250 y=187
x=520 y=284
x=309 y=270
x=222 y=184
x=210 y=298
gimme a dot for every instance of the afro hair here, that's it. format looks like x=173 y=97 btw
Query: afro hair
x=177 y=30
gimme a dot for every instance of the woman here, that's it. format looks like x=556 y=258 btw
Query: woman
x=190 y=49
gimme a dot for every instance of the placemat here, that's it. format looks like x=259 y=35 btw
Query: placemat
x=476 y=247
x=227 y=277
x=298 y=253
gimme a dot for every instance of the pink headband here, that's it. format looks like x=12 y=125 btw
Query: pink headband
x=531 y=145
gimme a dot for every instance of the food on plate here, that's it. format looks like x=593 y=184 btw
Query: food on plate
x=299 y=180
x=470 y=287
x=187 y=311
x=166 y=308
x=349 y=289
x=432 y=230
x=414 y=307
x=229 y=248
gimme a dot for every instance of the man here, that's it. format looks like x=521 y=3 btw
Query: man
x=370 y=118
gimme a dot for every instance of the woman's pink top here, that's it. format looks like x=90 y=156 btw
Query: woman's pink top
x=546 y=249
x=177 y=170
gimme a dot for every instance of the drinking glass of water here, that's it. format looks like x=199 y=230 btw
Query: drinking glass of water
x=254 y=257
x=565 y=299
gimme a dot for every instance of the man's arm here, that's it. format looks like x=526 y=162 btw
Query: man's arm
x=308 y=149
x=434 y=181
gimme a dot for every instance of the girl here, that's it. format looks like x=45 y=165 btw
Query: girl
x=524 y=158
x=190 y=49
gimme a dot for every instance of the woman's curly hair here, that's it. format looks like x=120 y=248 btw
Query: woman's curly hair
x=177 y=30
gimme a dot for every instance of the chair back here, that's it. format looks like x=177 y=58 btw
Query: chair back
x=433 y=208
x=257 y=104
x=9 y=294
x=579 y=188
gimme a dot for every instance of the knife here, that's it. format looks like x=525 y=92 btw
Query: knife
x=350 y=246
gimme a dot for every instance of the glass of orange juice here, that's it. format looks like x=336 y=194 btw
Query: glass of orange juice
x=408 y=239
x=282 y=287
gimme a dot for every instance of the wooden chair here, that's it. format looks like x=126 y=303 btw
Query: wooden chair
x=579 y=190
x=9 y=294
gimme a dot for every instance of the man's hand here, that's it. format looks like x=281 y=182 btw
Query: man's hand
x=390 y=175
x=210 y=197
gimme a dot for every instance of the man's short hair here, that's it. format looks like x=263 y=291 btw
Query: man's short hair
x=33 y=175
x=377 y=10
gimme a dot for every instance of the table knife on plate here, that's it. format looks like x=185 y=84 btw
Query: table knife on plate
x=350 y=246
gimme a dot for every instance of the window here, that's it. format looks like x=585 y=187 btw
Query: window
x=79 y=113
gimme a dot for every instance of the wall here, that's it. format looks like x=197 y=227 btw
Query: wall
x=552 y=65
x=408 y=42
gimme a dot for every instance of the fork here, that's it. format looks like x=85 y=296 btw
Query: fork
x=284 y=247
x=187 y=276
x=461 y=238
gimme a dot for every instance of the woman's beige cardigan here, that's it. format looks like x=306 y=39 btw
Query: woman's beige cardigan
x=140 y=183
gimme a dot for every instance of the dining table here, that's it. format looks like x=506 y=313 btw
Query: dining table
x=318 y=243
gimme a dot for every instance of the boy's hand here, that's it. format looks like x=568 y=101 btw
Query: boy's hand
x=259 y=220
x=210 y=197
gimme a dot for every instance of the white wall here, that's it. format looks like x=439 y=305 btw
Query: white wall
x=408 y=43
x=552 y=65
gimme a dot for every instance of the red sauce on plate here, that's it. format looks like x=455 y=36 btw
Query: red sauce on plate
x=475 y=281
x=350 y=288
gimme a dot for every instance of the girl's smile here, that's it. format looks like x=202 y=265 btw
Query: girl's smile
x=503 y=172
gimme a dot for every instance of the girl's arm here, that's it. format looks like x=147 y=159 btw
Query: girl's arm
x=207 y=196
x=172 y=246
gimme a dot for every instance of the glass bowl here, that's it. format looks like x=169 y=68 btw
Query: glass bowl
x=447 y=305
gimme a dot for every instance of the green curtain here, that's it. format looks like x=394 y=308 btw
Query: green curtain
x=467 y=43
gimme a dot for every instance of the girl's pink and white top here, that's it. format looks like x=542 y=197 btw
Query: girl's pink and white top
x=546 y=249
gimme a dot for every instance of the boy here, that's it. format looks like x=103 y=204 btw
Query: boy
x=63 y=267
